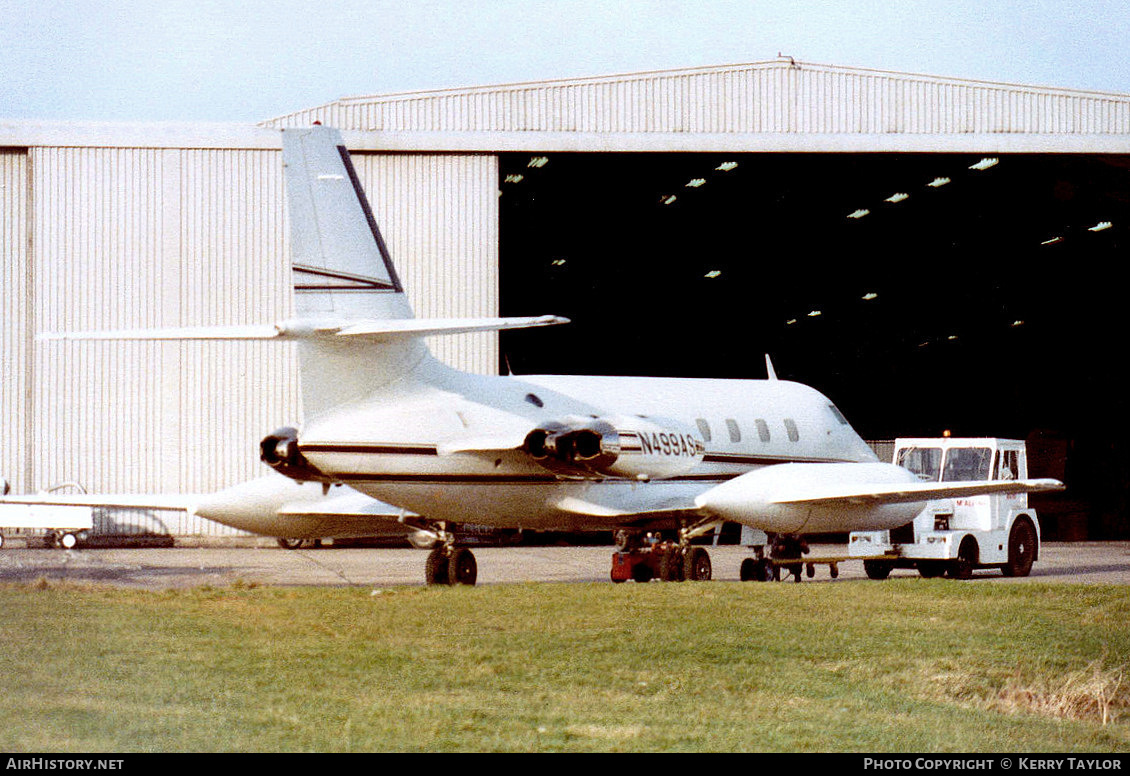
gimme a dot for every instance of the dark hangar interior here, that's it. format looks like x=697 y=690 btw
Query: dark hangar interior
x=979 y=294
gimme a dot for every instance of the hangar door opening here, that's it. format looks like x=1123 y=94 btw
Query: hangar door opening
x=921 y=292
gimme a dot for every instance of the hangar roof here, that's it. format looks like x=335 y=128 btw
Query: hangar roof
x=779 y=105
x=776 y=105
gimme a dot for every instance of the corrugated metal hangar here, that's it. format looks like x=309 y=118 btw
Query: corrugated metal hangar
x=930 y=252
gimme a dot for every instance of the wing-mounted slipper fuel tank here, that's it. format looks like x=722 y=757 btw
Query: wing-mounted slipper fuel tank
x=628 y=446
x=814 y=497
x=837 y=497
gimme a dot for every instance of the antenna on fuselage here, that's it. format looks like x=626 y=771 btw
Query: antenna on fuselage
x=771 y=373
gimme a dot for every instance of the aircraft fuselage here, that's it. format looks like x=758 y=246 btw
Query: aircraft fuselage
x=417 y=443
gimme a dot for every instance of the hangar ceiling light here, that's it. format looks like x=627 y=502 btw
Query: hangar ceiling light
x=726 y=166
x=859 y=213
x=938 y=182
x=694 y=183
x=538 y=161
x=985 y=163
x=899 y=197
x=870 y=295
x=1100 y=226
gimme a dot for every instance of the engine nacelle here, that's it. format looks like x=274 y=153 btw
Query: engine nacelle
x=279 y=450
x=619 y=446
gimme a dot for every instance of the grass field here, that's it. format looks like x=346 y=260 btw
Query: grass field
x=903 y=666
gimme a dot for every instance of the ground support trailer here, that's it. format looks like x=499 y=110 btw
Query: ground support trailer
x=62 y=526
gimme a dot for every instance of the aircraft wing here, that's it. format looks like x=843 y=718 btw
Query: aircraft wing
x=114 y=501
x=837 y=497
x=912 y=492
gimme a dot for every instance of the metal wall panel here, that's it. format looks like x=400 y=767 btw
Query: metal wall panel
x=96 y=237
x=15 y=321
x=764 y=97
x=126 y=238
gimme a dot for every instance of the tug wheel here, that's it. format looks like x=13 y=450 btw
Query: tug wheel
x=1021 y=549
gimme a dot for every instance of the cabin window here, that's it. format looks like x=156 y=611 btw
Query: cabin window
x=703 y=428
x=791 y=429
x=735 y=432
x=762 y=430
x=535 y=400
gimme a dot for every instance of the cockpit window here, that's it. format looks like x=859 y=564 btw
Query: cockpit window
x=926 y=462
x=838 y=415
x=967 y=464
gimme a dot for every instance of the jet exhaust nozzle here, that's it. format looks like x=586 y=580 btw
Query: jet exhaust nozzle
x=635 y=447
x=279 y=450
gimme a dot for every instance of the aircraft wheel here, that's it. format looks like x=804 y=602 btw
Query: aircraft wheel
x=435 y=567
x=697 y=567
x=641 y=572
x=1021 y=549
x=748 y=570
x=755 y=570
x=289 y=544
x=461 y=567
x=671 y=566
x=877 y=569
x=68 y=541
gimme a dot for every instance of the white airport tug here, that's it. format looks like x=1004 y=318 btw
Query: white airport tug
x=954 y=536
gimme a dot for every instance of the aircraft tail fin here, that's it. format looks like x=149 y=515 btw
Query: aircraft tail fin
x=341 y=265
x=355 y=328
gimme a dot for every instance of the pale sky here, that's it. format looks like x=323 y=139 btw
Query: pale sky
x=250 y=60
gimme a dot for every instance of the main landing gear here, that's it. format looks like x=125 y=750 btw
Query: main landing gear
x=448 y=564
x=643 y=557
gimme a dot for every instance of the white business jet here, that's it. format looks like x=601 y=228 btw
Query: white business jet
x=631 y=454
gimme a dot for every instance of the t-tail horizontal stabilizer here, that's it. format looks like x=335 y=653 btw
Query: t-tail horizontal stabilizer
x=378 y=330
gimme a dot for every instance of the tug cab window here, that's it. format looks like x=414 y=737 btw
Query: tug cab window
x=967 y=464
x=925 y=462
x=1008 y=465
